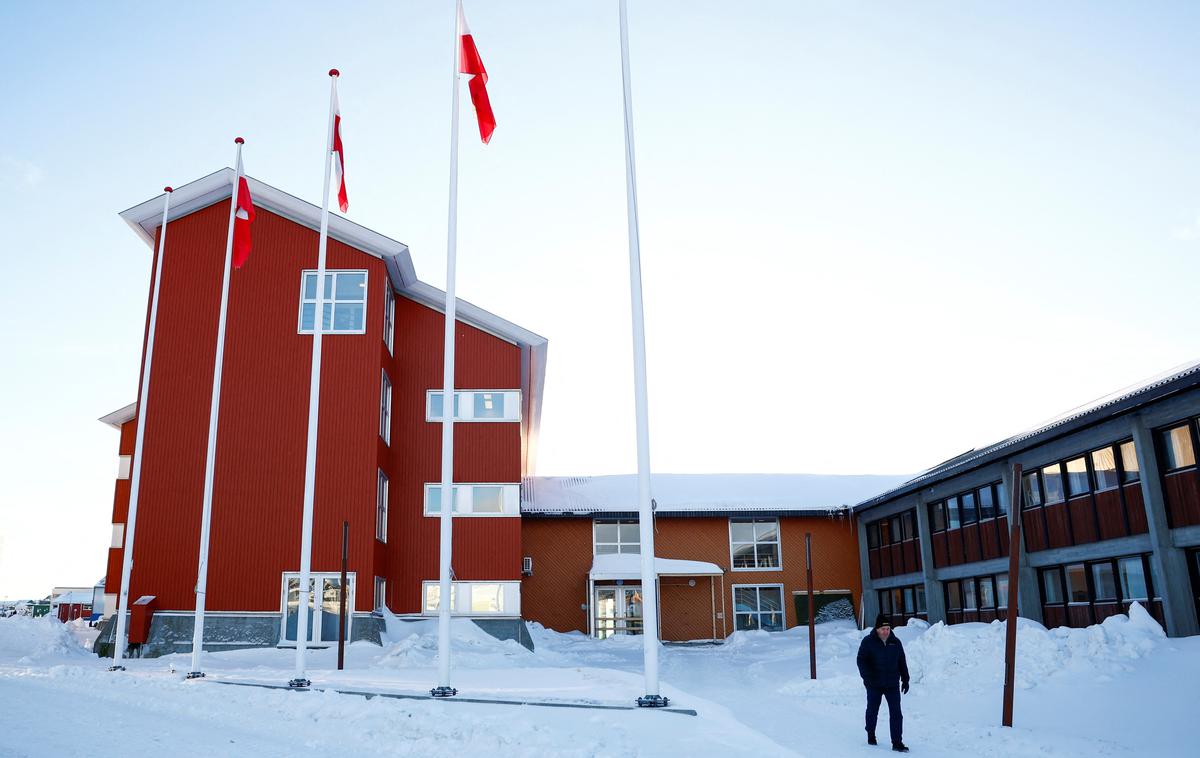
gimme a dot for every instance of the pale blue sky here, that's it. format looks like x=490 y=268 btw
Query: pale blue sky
x=874 y=234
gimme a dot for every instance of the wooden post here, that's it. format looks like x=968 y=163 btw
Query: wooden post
x=1014 y=581
x=342 y=598
x=812 y=611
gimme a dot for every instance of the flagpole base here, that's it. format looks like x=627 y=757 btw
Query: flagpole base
x=653 y=701
x=300 y=684
x=195 y=675
x=443 y=692
x=116 y=668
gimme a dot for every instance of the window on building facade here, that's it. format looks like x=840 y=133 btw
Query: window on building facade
x=758 y=607
x=385 y=408
x=1132 y=573
x=389 y=316
x=1077 y=477
x=1104 y=582
x=1031 y=490
x=953 y=521
x=609 y=537
x=380 y=593
x=476 y=405
x=381 y=507
x=910 y=525
x=1104 y=464
x=953 y=596
x=1177 y=447
x=474 y=598
x=345 y=302
x=872 y=536
x=987 y=504
x=1052 y=591
x=1052 y=484
x=970 y=513
x=1002 y=590
x=124 y=463
x=937 y=517
x=476 y=499
x=1129 y=463
x=1077 y=588
x=970 y=602
x=754 y=543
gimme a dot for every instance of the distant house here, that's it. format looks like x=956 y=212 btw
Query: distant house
x=70 y=603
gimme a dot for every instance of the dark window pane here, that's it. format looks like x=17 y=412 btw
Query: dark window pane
x=1177 y=447
x=1001 y=500
x=1077 y=589
x=873 y=535
x=987 y=504
x=1053 y=484
x=909 y=605
x=1031 y=492
x=910 y=525
x=1077 y=477
x=1129 y=463
x=1133 y=578
x=1104 y=463
x=952 y=517
x=898 y=600
x=896 y=534
x=987 y=593
x=743 y=556
x=1002 y=591
x=1052 y=586
x=885 y=602
x=1104 y=581
x=953 y=596
x=968 y=586
x=885 y=532
x=920 y=598
x=768 y=555
x=937 y=517
x=745 y=599
x=970 y=513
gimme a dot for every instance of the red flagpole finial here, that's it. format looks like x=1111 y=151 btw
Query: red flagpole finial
x=167 y=189
x=334 y=72
x=239 y=140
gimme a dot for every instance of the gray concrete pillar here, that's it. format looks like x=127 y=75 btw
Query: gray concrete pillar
x=1168 y=564
x=1029 y=595
x=870 y=598
x=935 y=599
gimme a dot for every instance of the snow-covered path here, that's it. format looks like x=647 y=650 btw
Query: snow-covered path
x=1111 y=690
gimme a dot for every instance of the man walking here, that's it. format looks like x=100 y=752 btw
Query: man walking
x=885 y=674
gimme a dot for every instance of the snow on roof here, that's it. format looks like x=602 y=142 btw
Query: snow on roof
x=75 y=596
x=699 y=493
x=629 y=566
x=1131 y=396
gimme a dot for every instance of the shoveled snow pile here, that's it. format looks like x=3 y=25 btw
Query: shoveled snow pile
x=25 y=640
x=413 y=644
x=971 y=656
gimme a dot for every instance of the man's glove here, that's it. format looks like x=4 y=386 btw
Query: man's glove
x=904 y=688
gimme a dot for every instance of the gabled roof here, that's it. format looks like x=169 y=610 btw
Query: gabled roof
x=698 y=494
x=144 y=218
x=119 y=417
x=1123 y=400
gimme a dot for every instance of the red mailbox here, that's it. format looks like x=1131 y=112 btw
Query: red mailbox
x=139 y=619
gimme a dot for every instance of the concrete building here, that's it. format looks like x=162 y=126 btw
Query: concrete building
x=1110 y=515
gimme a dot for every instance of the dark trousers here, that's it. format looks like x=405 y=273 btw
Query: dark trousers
x=895 y=717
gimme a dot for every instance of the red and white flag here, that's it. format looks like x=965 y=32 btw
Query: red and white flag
x=470 y=63
x=241 y=219
x=339 y=158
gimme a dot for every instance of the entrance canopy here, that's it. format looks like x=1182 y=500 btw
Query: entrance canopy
x=629 y=566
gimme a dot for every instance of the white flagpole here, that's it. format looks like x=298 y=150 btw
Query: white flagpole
x=210 y=456
x=136 y=477
x=443 y=688
x=652 y=698
x=314 y=406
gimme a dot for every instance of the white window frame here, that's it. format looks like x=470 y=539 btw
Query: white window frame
x=124 y=466
x=460 y=595
x=733 y=603
x=389 y=315
x=351 y=581
x=385 y=407
x=118 y=536
x=464 y=494
x=381 y=506
x=380 y=594
x=466 y=406
x=619 y=544
x=778 y=545
x=317 y=317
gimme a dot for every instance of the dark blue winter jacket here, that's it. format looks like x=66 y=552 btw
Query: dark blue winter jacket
x=881 y=664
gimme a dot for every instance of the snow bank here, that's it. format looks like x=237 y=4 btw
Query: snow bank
x=25 y=640
x=413 y=644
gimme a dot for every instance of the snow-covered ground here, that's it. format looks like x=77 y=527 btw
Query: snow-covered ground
x=1118 y=688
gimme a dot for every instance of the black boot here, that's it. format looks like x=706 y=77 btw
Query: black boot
x=899 y=747
x=871 y=739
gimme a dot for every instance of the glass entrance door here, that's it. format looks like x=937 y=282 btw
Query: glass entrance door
x=322 y=611
x=618 y=610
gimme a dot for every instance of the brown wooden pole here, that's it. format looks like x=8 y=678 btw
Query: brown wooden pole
x=342 y=601
x=1014 y=583
x=812 y=611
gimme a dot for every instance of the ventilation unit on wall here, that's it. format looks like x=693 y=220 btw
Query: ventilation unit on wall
x=527 y=566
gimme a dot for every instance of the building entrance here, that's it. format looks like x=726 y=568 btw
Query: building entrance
x=618 y=610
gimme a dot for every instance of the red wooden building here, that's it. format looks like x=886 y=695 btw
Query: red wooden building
x=378 y=456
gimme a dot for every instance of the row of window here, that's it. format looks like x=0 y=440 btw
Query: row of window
x=977 y=593
x=754 y=543
x=474 y=598
x=469 y=500
x=1109 y=467
x=903 y=601
x=1178 y=445
x=892 y=531
x=967 y=508
x=476 y=405
x=758 y=607
x=1111 y=580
